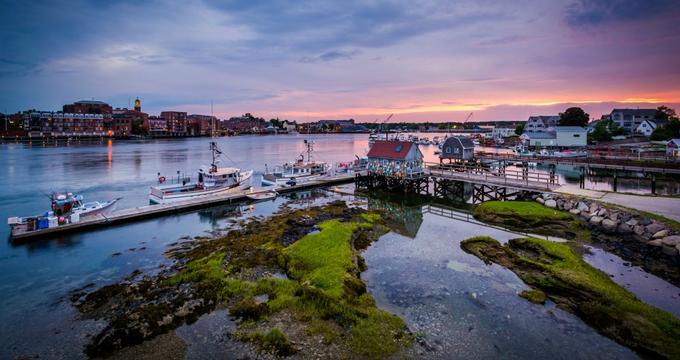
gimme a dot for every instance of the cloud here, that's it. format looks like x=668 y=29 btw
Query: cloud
x=583 y=13
x=330 y=56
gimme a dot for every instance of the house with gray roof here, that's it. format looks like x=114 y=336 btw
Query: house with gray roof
x=630 y=119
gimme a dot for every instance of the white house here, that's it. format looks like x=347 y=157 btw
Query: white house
x=630 y=119
x=673 y=148
x=648 y=126
x=562 y=136
x=541 y=123
x=500 y=132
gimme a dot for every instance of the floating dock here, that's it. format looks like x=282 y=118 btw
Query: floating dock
x=148 y=211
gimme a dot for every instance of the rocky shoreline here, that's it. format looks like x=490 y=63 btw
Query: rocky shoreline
x=645 y=241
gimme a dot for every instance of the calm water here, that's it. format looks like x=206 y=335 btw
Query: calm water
x=36 y=277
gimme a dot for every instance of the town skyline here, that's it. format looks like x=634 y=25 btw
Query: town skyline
x=422 y=62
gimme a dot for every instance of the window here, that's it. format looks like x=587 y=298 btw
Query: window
x=448 y=149
x=577 y=135
x=398 y=148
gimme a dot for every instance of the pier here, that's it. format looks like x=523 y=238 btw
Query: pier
x=149 y=211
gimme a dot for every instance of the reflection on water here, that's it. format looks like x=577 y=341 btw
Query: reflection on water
x=466 y=309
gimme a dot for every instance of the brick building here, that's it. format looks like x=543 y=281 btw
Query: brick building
x=176 y=122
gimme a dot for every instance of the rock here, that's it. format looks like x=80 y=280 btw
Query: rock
x=582 y=206
x=540 y=200
x=655 y=227
x=551 y=203
x=568 y=205
x=602 y=213
x=188 y=307
x=614 y=216
x=671 y=240
x=677 y=247
x=660 y=234
x=631 y=222
x=645 y=222
x=560 y=204
x=639 y=229
x=575 y=211
x=593 y=207
x=656 y=242
x=624 y=228
x=609 y=225
x=595 y=220
x=166 y=320
x=547 y=196
x=585 y=214
x=669 y=250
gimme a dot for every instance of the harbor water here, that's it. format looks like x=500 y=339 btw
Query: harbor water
x=462 y=306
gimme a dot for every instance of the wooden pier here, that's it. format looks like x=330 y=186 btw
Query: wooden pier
x=149 y=211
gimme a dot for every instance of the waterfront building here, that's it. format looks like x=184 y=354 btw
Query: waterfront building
x=125 y=122
x=648 y=126
x=88 y=107
x=289 y=125
x=395 y=159
x=245 y=125
x=458 y=148
x=200 y=125
x=561 y=136
x=157 y=126
x=58 y=124
x=499 y=132
x=541 y=123
x=630 y=119
x=176 y=122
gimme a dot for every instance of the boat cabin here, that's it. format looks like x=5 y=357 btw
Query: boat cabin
x=395 y=159
x=457 y=148
x=210 y=177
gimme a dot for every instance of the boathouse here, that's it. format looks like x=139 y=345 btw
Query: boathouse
x=395 y=159
x=457 y=148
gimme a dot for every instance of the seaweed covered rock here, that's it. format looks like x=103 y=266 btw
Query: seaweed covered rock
x=316 y=248
x=532 y=217
x=554 y=270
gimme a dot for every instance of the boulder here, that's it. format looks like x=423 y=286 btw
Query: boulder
x=645 y=222
x=608 y=224
x=671 y=240
x=560 y=204
x=547 y=196
x=660 y=234
x=551 y=203
x=595 y=220
x=639 y=229
x=624 y=228
x=669 y=250
x=677 y=247
x=582 y=206
x=540 y=200
x=655 y=227
x=656 y=242
x=631 y=222
x=585 y=214
x=614 y=216
x=602 y=212
x=575 y=211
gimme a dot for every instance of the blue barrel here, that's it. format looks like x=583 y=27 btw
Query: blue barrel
x=43 y=223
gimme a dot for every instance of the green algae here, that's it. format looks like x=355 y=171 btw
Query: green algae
x=561 y=275
x=317 y=248
x=529 y=216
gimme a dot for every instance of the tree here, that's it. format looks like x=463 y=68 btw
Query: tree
x=604 y=130
x=666 y=132
x=574 y=116
x=663 y=112
x=519 y=129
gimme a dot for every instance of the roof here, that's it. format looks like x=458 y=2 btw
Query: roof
x=569 y=128
x=91 y=102
x=636 y=112
x=465 y=142
x=540 y=135
x=675 y=141
x=395 y=150
x=544 y=117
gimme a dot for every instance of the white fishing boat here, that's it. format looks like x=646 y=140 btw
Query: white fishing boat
x=297 y=172
x=262 y=195
x=66 y=209
x=212 y=181
x=373 y=137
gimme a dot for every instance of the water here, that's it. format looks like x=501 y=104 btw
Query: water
x=36 y=277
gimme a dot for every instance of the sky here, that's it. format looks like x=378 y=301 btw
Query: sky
x=418 y=59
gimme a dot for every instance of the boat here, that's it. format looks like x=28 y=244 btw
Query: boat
x=67 y=208
x=424 y=141
x=212 y=181
x=297 y=172
x=373 y=137
x=262 y=195
x=293 y=132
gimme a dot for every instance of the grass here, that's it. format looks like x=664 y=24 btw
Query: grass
x=558 y=272
x=530 y=210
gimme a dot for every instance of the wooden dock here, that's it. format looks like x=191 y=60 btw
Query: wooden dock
x=149 y=211
x=516 y=179
x=646 y=165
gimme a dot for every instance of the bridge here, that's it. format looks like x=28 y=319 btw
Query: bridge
x=516 y=179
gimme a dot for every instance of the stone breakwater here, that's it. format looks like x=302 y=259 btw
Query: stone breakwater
x=618 y=224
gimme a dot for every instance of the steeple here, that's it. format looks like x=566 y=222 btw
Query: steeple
x=138 y=105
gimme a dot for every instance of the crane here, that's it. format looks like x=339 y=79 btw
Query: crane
x=384 y=121
x=468 y=117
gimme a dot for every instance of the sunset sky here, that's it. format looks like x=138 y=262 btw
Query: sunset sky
x=422 y=60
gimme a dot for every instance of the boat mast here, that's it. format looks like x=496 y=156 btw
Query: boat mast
x=213 y=148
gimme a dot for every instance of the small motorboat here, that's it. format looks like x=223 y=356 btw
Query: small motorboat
x=66 y=209
x=262 y=195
